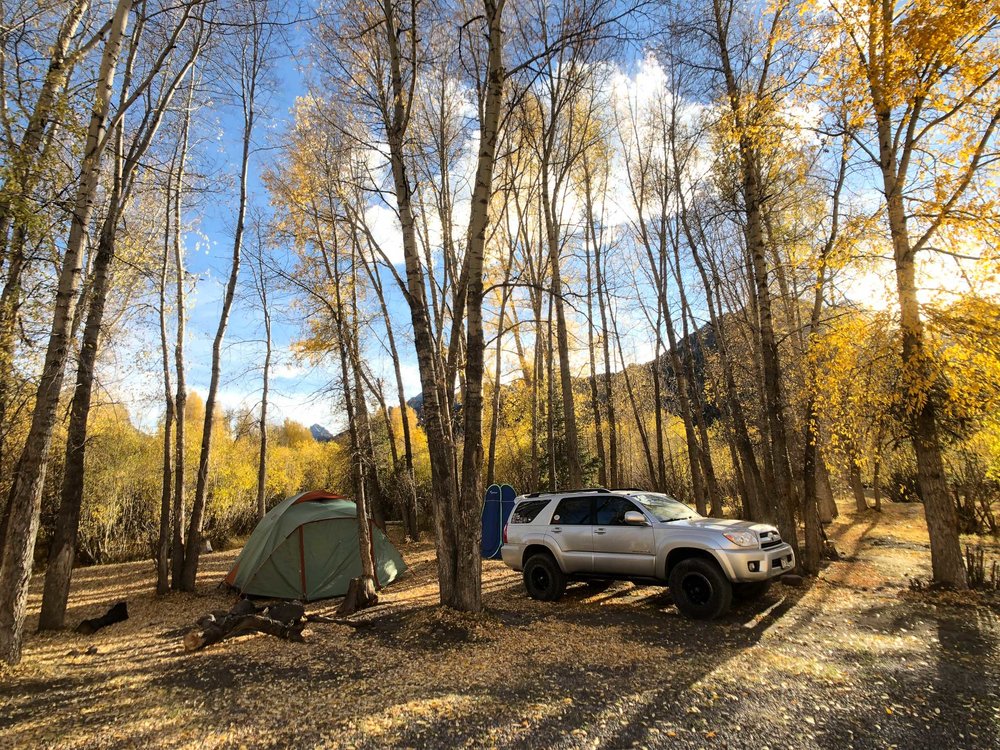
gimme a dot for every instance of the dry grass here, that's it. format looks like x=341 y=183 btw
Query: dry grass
x=615 y=669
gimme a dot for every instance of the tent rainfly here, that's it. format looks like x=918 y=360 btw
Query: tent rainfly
x=306 y=548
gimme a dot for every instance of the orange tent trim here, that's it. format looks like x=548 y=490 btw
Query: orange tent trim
x=319 y=495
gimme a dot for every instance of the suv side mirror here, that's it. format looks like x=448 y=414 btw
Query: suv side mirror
x=635 y=518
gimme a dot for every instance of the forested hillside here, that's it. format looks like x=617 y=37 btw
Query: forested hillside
x=744 y=253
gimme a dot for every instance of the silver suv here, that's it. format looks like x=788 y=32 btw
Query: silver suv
x=599 y=535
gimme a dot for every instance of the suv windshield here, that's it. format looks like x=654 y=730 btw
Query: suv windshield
x=663 y=507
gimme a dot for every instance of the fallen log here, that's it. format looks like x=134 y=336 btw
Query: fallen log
x=282 y=620
x=286 y=611
x=356 y=624
x=231 y=627
x=117 y=613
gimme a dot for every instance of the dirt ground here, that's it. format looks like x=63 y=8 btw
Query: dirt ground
x=854 y=659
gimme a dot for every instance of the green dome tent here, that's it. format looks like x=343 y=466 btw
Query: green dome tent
x=306 y=547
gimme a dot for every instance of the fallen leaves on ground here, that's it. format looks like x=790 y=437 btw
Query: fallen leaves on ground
x=854 y=657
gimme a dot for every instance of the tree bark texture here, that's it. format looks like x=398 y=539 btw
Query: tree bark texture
x=468 y=559
x=62 y=550
x=432 y=376
x=180 y=400
x=262 y=458
x=193 y=544
x=25 y=496
x=163 y=541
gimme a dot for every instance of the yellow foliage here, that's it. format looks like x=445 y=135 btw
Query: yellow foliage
x=124 y=472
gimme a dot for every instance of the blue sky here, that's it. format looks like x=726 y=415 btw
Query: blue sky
x=300 y=391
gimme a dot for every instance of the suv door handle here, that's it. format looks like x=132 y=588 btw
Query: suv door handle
x=556 y=530
x=600 y=531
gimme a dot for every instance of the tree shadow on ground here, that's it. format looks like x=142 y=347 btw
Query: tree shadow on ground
x=573 y=691
x=939 y=686
x=543 y=707
x=602 y=669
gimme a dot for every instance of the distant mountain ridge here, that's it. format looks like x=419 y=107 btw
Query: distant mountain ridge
x=699 y=342
x=320 y=433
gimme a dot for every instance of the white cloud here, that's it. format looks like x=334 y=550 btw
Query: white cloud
x=646 y=85
x=411 y=379
x=939 y=278
x=288 y=370
x=387 y=232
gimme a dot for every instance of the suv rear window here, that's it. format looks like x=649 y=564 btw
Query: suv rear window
x=525 y=512
x=573 y=511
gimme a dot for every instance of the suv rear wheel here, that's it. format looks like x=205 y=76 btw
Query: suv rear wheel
x=543 y=579
x=700 y=589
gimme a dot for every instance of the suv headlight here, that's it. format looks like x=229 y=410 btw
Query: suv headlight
x=742 y=538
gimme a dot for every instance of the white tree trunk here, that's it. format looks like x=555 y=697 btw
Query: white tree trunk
x=26 y=491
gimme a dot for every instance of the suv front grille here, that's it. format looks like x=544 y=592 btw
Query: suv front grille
x=769 y=540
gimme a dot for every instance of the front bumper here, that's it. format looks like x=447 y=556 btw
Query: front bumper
x=759 y=564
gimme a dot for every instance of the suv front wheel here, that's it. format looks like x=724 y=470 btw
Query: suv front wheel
x=543 y=579
x=699 y=588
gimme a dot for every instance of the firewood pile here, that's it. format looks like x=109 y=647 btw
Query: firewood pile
x=281 y=619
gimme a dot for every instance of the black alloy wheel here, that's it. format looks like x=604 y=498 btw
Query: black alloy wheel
x=543 y=579
x=700 y=589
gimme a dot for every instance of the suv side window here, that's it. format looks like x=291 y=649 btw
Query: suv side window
x=573 y=511
x=526 y=511
x=611 y=511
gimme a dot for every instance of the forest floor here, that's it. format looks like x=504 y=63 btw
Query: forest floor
x=853 y=659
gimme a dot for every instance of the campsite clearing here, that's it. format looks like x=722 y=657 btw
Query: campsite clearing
x=853 y=659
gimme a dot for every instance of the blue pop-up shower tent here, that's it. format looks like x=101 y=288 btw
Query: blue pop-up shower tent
x=497 y=505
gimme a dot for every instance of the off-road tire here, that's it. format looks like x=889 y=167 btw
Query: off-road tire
x=543 y=578
x=751 y=591
x=700 y=589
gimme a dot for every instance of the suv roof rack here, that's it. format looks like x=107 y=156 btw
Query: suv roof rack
x=568 y=492
x=630 y=489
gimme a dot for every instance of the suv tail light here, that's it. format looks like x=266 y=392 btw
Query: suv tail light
x=505 y=533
